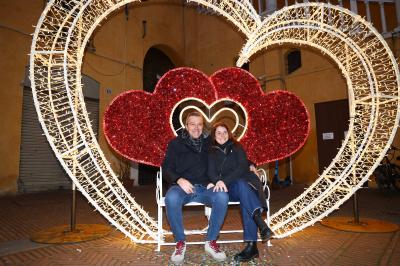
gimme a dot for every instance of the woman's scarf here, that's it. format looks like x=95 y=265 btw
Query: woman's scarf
x=225 y=147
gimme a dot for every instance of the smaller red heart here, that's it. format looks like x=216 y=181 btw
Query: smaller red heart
x=136 y=123
x=278 y=123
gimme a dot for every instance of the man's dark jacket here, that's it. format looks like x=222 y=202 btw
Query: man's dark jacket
x=182 y=160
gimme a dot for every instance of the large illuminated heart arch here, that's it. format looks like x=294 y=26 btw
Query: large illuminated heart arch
x=360 y=52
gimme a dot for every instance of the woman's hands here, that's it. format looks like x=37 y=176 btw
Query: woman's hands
x=210 y=185
x=220 y=186
x=188 y=187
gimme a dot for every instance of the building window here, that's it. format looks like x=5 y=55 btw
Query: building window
x=293 y=60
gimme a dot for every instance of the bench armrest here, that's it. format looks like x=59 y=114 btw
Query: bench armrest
x=264 y=179
x=159 y=186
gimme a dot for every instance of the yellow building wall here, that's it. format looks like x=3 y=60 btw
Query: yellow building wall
x=116 y=64
x=188 y=37
x=217 y=44
x=16 y=20
x=318 y=80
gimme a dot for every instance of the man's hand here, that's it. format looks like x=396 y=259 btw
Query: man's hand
x=220 y=186
x=185 y=185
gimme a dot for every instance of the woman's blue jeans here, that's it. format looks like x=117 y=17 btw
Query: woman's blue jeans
x=176 y=198
x=240 y=190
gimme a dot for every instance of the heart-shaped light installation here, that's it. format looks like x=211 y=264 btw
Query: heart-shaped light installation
x=365 y=59
x=137 y=124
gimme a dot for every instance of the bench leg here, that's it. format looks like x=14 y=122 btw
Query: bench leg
x=159 y=228
x=207 y=212
x=268 y=223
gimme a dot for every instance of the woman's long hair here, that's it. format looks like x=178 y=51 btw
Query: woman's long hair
x=230 y=135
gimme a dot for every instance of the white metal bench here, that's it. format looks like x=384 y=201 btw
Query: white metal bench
x=162 y=233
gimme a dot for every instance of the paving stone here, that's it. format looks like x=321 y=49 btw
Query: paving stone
x=22 y=215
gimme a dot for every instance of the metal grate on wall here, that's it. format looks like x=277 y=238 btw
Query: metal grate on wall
x=39 y=168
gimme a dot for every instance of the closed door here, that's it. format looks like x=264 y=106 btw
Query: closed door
x=332 y=121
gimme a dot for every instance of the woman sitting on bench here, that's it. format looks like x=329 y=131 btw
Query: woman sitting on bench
x=228 y=169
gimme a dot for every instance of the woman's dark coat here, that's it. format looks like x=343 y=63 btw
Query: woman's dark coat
x=231 y=165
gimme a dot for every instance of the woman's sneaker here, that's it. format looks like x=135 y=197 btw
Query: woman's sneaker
x=212 y=248
x=179 y=253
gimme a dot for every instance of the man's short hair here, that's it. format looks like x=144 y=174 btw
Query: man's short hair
x=194 y=113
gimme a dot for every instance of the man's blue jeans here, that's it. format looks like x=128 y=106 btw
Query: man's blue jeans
x=240 y=190
x=176 y=198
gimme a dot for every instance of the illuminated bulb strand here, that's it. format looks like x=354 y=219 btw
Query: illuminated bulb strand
x=362 y=55
x=241 y=13
x=56 y=59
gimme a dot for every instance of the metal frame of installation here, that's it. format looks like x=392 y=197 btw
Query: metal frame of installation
x=360 y=52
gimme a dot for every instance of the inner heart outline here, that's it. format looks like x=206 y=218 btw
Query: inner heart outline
x=214 y=116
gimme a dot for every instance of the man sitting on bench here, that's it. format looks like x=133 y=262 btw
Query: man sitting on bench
x=185 y=168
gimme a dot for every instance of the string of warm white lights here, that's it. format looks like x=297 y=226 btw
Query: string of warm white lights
x=372 y=77
x=241 y=13
x=360 y=52
x=56 y=58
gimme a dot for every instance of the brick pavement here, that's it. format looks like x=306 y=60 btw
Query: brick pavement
x=22 y=215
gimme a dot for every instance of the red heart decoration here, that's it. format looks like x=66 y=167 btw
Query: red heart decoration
x=136 y=123
x=278 y=122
